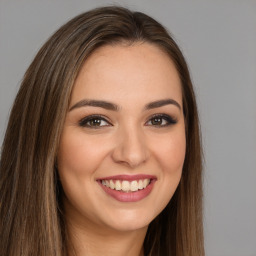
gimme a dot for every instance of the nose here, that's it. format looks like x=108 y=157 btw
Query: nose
x=131 y=147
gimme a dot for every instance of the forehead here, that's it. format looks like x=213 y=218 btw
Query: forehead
x=140 y=69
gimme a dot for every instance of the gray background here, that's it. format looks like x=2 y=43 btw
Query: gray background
x=218 y=39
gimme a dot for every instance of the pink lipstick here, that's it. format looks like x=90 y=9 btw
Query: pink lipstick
x=127 y=188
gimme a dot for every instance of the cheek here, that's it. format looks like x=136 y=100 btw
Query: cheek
x=79 y=154
x=173 y=157
x=171 y=154
x=172 y=164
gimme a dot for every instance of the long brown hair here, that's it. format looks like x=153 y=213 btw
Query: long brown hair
x=31 y=216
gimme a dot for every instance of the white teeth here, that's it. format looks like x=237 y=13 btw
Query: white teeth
x=125 y=185
x=140 y=184
x=145 y=182
x=134 y=185
x=112 y=184
x=107 y=183
x=118 y=185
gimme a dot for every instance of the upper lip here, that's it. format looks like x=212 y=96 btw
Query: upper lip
x=128 y=177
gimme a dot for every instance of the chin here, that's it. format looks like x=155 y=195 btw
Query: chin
x=129 y=220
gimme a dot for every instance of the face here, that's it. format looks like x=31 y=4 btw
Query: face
x=123 y=143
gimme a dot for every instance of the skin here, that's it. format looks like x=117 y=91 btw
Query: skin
x=127 y=142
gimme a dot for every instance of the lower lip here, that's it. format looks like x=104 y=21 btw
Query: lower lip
x=129 y=196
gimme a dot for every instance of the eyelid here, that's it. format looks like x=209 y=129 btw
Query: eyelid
x=168 y=118
x=171 y=120
x=84 y=120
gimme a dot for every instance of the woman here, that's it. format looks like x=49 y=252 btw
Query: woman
x=102 y=151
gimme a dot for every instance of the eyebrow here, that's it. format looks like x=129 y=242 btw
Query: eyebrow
x=95 y=103
x=114 y=107
x=161 y=103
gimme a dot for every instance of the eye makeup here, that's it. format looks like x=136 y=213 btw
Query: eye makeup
x=97 y=121
x=161 y=120
x=94 y=122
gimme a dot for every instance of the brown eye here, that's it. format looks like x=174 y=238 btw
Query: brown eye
x=157 y=121
x=161 y=120
x=94 y=122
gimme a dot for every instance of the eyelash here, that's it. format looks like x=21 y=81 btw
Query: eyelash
x=169 y=120
x=84 y=122
x=157 y=117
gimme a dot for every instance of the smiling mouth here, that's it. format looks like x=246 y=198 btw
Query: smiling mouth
x=128 y=188
x=125 y=185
